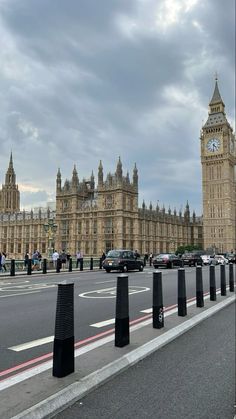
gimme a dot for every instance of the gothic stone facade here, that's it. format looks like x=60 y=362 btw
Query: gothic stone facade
x=96 y=219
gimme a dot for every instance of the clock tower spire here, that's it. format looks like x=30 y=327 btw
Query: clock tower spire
x=218 y=160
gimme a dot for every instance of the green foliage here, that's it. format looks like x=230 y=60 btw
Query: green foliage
x=188 y=248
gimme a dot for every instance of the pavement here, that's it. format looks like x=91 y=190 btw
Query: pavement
x=35 y=393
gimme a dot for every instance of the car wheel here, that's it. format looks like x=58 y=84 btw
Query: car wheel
x=108 y=270
x=125 y=268
x=141 y=268
x=156 y=266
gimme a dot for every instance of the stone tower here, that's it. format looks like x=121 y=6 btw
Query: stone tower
x=9 y=195
x=218 y=158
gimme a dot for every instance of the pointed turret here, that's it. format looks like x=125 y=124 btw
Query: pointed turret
x=119 y=170
x=135 y=176
x=10 y=177
x=187 y=212
x=58 y=180
x=143 y=205
x=92 y=182
x=75 y=179
x=216 y=98
x=127 y=178
x=10 y=202
x=100 y=174
x=150 y=206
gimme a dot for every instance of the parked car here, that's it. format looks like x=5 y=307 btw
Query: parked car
x=168 y=260
x=221 y=259
x=231 y=257
x=206 y=259
x=122 y=260
x=192 y=259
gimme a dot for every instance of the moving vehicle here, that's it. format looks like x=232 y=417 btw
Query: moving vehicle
x=168 y=260
x=122 y=260
x=221 y=260
x=192 y=259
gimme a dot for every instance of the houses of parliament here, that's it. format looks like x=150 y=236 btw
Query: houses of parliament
x=95 y=217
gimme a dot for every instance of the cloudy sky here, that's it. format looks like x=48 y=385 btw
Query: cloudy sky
x=88 y=80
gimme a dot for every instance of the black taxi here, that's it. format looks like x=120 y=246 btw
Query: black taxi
x=122 y=260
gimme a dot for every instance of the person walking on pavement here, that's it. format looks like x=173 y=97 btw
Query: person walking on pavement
x=3 y=262
x=55 y=256
x=79 y=257
x=26 y=259
x=63 y=259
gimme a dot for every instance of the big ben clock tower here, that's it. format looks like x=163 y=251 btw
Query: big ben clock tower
x=218 y=157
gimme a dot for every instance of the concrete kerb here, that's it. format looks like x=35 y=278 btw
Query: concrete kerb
x=75 y=391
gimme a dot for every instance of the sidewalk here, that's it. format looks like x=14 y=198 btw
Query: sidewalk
x=36 y=394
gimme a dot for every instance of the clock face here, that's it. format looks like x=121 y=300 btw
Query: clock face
x=213 y=145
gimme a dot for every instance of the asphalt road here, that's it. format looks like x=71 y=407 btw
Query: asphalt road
x=192 y=377
x=28 y=306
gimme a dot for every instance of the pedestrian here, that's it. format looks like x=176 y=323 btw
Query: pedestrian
x=55 y=256
x=103 y=256
x=79 y=257
x=146 y=256
x=150 y=259
x=136 y=254
x=63 y=259
x=0 y=262
x=35 y=260
x=3 y=262
x=26 y=259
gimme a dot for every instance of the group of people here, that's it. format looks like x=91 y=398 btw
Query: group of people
x=63 y=257
x=3 y=261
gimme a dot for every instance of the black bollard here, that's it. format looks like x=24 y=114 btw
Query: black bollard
x=100 y=263
x=12 y=270
x=58 y=265
x=29 y=267
x=222 y=280
x=63 y=347
x=182 y=301
x=157 y=301
x=70 y=265
x=231 y=277
x=81 y=264
x=199 y=287
x=122 y=311
x=44 y=266
x=212 y=283
x=91 y=264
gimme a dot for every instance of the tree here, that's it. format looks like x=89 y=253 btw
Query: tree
x=187 y=248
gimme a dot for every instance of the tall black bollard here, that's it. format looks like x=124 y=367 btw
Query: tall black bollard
x=199 y=287
x=81 y=264
x=63 y=348
x=29 y=267
x=222 y=280
x=12 y=270
x=70 y=265
x=231 y=277
x=182 y=301
x=91 y=264
x=58 y=266
x=122 y=311
x=44 y=266
x=157 y=301
x=212 y=283
x=100 y=263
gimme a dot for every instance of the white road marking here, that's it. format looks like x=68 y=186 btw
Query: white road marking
x=111 y=292
x=104 y=323
x=148 y=310
x=104 y=282
x=22 y=293
x=32 y=344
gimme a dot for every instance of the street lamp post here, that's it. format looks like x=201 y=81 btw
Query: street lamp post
x=50 y=228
